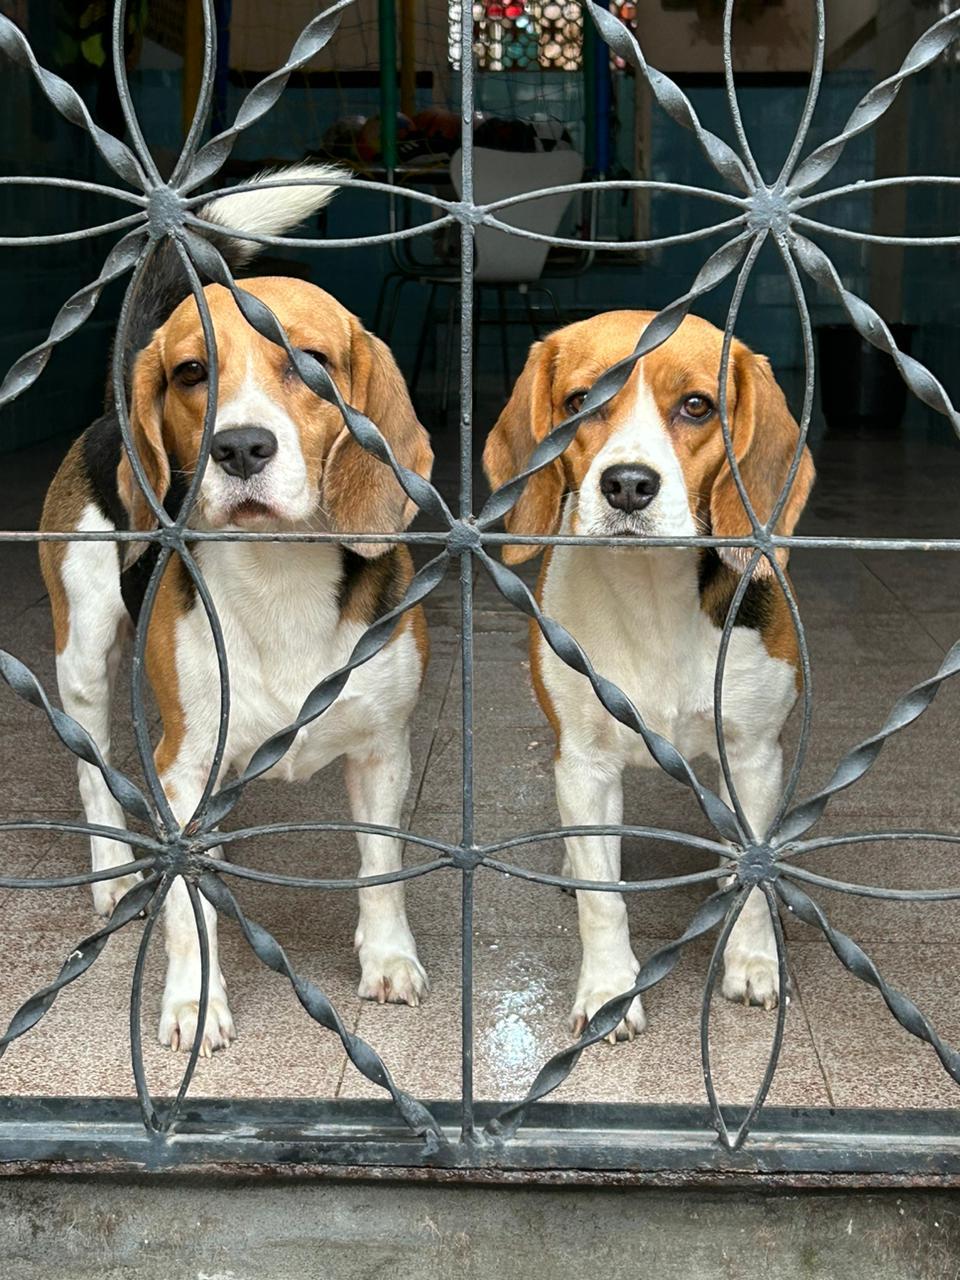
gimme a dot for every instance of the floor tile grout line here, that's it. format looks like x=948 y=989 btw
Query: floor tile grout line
x=25 y=608
x=344 y=1060
x=428 y=755
x=936 y=640
x=914 y=616
x=795 y=982
x=8 y=895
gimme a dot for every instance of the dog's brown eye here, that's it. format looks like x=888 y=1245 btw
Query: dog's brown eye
x=696 y=408
x=190 y=373
x=319 y=356
x=574 y=401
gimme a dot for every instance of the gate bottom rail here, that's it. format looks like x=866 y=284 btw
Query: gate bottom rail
x=577 y=1142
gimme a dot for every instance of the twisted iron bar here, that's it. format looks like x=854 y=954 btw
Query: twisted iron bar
x=871 y=326
x=862 y=757
x=657 y=966
x=24 y=372
x=80 y=959
x=68 y=103
x=74 y=737
x=212 y=156
x=366 y=1060
x=670 y=97
x=934 y=41
x=856 y=961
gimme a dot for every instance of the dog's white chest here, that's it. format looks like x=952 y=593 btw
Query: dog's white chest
x=637 y=616
x=284 y=634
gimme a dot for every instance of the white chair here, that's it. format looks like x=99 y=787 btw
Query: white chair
x=503 y=261
x=497 y=175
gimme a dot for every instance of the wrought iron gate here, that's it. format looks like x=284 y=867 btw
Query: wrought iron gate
x=529 y=1134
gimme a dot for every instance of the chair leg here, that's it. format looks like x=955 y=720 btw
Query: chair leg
x=390 y=278
x=448 y=355
x=557 y=313
x=531 y=315
x=422 y=340
x=504 y=338
x=402 y=282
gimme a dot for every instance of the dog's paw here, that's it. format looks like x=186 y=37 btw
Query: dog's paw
x=751 y=978
x=393 y=979
x=592 y=996
x=178 y=1025
x=107 y=893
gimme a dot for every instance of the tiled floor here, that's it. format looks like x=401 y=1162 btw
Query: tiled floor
x=876 y=623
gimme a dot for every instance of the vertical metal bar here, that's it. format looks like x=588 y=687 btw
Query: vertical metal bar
x=466 y=263
x=733 y=313
x=466 y=562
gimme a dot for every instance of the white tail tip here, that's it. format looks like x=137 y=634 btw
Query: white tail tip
x=270 y=211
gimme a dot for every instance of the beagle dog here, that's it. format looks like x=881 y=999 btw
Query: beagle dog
x=649 y=463
x=281 y=460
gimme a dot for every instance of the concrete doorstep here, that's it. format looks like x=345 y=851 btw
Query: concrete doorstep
x=105 y=1228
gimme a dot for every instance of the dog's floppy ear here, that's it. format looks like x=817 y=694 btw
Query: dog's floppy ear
x=524 y=422
x=146 y=425
x=765 y=438
x=361 y=493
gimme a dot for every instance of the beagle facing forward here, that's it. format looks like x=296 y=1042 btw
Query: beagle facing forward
x=651 y=463
x=281 y=460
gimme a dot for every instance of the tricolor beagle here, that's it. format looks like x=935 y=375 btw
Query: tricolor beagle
x=281 y=459
x=652 y=462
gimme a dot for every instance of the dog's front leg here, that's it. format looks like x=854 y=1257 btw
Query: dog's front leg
x=180 y=1010
x=89 y=645
x=751 y=971
x=590 y=793
x=390 y=970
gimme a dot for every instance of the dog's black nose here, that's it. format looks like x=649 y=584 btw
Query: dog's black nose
x=629 y=487
x=243 y=451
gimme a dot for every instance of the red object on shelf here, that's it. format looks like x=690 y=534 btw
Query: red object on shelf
x=370 y=138
x=512 y=9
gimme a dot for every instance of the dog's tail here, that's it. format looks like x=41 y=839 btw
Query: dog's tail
x=269 y=211
x=264 y=211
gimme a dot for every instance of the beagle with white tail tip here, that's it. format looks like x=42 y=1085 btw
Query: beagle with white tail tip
x=649 y=463
x=281 y=460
